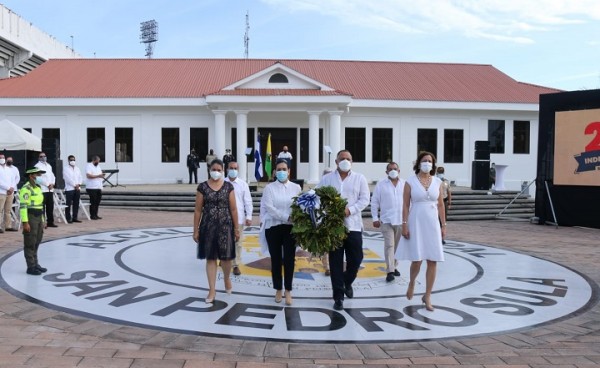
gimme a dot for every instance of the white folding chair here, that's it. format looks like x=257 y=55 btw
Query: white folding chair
x=84 y=207
x=15 y=213
x=60 y=205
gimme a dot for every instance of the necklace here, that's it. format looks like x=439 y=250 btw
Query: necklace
x=426 y=183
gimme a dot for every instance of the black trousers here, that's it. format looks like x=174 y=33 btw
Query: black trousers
x=282 y=247
x=95 y=198
x=32 y=239
x=352 y=248
x=194 y=171
x=72 y=198
x=49 y=207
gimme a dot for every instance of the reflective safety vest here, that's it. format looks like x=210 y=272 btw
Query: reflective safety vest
x=31 y=199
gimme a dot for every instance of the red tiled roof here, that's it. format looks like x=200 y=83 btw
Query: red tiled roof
x=193 y=78
x=277 y=92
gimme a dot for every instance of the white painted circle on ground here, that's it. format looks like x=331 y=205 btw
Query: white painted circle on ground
x=151 y=278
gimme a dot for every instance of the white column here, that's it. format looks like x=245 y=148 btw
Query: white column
x=335 y=133
x=219 y=135
x=242 y=137
x=313 y=146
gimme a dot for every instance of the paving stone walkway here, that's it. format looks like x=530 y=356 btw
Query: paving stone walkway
x=34 y=336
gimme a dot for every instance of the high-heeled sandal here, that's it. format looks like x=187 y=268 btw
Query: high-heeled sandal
x=278 y=296
x=410 y=292
x=228 y=291
x=288 y=297
x=427 y=303
x=209 y=300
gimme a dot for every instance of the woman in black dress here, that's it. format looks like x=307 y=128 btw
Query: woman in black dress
x=216 y=226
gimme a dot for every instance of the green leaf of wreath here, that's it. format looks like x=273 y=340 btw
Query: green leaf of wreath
x=330 y=230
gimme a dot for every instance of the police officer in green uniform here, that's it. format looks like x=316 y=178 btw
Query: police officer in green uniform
x=33 y=219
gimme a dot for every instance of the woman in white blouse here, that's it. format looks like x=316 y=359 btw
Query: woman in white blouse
x=276 y=204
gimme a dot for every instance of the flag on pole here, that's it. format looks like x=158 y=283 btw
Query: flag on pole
x=269 y=158
x=258 y=168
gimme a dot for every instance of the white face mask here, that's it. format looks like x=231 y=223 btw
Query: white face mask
x=393 y=174
x=233 y=173
x=345 y=165
x=72 y=163
x=215 y=175
x=426 y=167
x=441 y=176
x=2 y=161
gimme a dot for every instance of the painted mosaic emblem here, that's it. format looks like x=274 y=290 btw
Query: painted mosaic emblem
x=151 y=278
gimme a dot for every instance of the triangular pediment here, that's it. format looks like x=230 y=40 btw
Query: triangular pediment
x=278 y=76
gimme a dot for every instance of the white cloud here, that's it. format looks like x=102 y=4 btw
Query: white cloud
x=515 y=21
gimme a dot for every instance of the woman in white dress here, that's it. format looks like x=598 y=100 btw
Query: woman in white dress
x=422 y=214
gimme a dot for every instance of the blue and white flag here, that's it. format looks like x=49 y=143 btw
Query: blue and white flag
x=258 y=167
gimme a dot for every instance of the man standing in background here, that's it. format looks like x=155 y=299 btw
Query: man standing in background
x=93 y=185
x=48 y=181
x=73 y=181
x=7 y=190
x=386 y=209
x=192 y=165
x=243 y=201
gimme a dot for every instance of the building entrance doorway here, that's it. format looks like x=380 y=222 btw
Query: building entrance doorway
x=279 y=137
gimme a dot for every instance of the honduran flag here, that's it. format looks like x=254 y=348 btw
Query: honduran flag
x=258 y=167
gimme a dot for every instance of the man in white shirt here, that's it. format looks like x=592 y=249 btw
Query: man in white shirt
x=93 y=185
x=286 y=155
x=353 y=187
x=7 y=189
x=386 y=209
x=16 y=178
x=48 y=182
x=243 y=202
x=73 y=181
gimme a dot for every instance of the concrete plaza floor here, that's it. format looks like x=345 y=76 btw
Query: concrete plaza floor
x=34 y=336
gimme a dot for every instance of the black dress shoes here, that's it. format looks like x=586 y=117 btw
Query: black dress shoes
x=390 y=277
x=52 y=225
x=40 y=268
x=349 y=291
x=96 y=218
x=396 y=273
x=33 y=271
x=338 y=305
x=76 y=221
x=11 y=229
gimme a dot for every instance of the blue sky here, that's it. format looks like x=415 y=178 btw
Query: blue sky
x=552 y=43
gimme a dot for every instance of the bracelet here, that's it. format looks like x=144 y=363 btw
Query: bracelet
x=444 y=224
x=404 y=222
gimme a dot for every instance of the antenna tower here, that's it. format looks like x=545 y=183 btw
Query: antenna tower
x=246 y=37
x=149 y=35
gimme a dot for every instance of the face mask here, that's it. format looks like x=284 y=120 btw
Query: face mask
x=43 y=159
x=441 y=176
x=96 y=163
x=39 y=180
x=72 y=163
x=215 y=175
x=233 y=173
x=426 y=167
x=2 y=161
x=345 y=165
x=393 y=174
x=9 y=163
x=282 y=175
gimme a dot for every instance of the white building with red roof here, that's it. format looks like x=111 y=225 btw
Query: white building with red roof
x=144 y=115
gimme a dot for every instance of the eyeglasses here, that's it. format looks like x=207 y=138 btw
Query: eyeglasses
x=42 y=156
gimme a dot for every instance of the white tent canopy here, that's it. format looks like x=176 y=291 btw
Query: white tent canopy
x=13 y=137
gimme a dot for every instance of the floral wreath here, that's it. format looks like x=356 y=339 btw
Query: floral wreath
x=318 y=220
